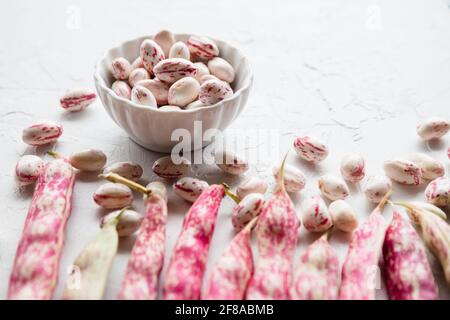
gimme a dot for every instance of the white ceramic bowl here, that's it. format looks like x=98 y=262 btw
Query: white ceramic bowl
x=152 y=128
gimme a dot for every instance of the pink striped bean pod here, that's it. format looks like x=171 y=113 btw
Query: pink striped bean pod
x=77 y=99
x=316 y=276
x=42 y=133
x=184 y=275
x=277 y=234
x=171 y=70
x=408 y=273
x=231 y=273
x=35 y=270
x=202 y=47
x=361 y=262
x=435 y=231
x=147 y=257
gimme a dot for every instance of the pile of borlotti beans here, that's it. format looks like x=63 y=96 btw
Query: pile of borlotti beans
x=174 y=75
x=236 y=275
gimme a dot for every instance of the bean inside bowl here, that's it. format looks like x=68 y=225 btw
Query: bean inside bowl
x=160 y=130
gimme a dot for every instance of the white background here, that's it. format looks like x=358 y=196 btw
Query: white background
x=359 y=74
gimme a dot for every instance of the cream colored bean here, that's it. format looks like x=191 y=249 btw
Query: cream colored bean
x=151 y=54
x=294 y=178
x=376 y=187
x=315 y=215
x=203 y=47
x=433 y=128
x=159 y=89
x=353 y=167
x=165 y=40
x=113 y=196
x=179 y=50
x=251 y=185
x=143 y=96
x=137 y=63
x=207 y=77
x=438 y=192
x=247 y=209
x=431 y=168
x=221 y=69
x=127 y=169
x=403 y=171
x=169 y=108
x=213 y=91
x=88 y=160
x=202 y=70
x=197 y=104
x=310 y=148
x=333 y=187
x=189 y=188
x=171 y=70
x=137 y=75
x=230 y=162
x=183 y=92
x=129 y=221
x=28 y=169
x=343 y=216
x=122 y=89
x=165 y=167
x=42 y=133
x=77 y=99
x=157 y=187
x=120 y=68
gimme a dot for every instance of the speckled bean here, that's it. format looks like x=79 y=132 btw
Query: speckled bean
x=431 y=168
x=310 y=148
x=120 y=68
x=159 y=89
x=143 y=96
x=122 y=89
x=129 y=221
x=333 y=187
x=213 y=91
x=353 y=167
x=221 y=69
x=28 y=169
x=343 y=216
x=251 y=185
x=376 y=187
x=179 y=50
x=190 y=188
x=42 y=133
x=113 y=196
x=165 y=40
x=202 y=47
x=77 y=99
x=403 y=171
x=151 y=54
x=294 y=178
x=438 y=192
x=230 y=162
x=315 y=215
x=433 y=128
x=247 y=209
x=137 y=75
x=166 y=168
x=127 y=169
x=183 y=92
x=171 y=70
x=88 y=160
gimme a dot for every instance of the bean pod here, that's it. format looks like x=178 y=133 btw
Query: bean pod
x=35 y=269
x=28 y=169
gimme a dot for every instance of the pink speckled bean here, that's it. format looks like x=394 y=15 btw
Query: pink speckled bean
x=28 y=169
x=120 y=68
x=190 y=188
x=122 y=89
x=159 y=89
x=171 y=70
x=183 y=92
x=147 y=257
x=403 y=171
x=165 y=167
x=151 y=54
x=137 y=63
x=143 y=96
x=35 y=270
x=315 y=215
x=77 y=99
x=433 y=128
x=137 y=75
x=127 y=169
x=316 y=276
x=277 y=234
x=213 y=91
x=353 y=167
x=310 y=148
x=179 y=50
x=231 y=273
x=42 y=133
x=408 y=273
x=246 y=210
x=202 y=47
x=435 y=231
x=186 y=268
x=438 y=192
x=361 y=262
x=431 y=168
x=113 y=196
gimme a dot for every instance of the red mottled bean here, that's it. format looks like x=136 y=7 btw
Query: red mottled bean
x=277 y=234
x=361 y=262
x=77 y=99
x=42 y=133
x=316 y=277
x=186 y=268
x=151 y=54
x=408 y=273
x=202 y=47
x=231 y=273
x=171 y=70
x=28 y=169
x=35 y=268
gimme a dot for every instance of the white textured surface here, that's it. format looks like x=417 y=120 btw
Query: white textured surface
x=360 y=74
